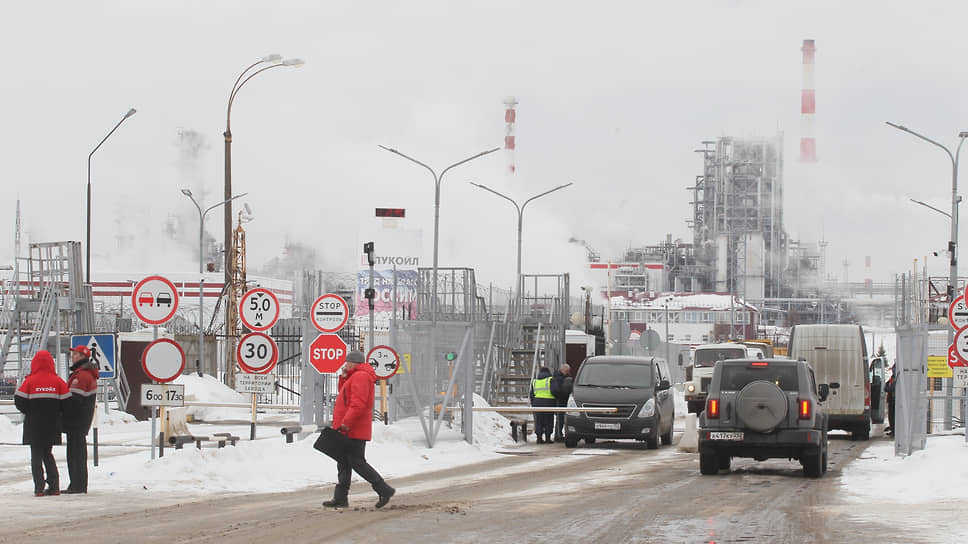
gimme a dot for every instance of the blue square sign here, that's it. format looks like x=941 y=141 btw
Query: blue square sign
x=102 y=351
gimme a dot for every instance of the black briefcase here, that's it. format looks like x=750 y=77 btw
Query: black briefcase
x=333 y=443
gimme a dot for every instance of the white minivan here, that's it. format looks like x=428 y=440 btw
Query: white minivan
x=838 y=356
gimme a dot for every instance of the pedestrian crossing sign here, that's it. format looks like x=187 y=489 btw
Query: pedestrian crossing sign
x=103 y=351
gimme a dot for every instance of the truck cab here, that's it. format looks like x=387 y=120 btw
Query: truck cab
x=703 y=360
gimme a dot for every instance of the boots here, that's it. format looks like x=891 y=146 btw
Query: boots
x=385 y=495
x=540 y=439
x=340 y=498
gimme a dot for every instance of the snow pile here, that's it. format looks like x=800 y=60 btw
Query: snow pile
x=208 y=388
x=879 y=476
x=9 y=432
x=491 y=429
x=113 y=417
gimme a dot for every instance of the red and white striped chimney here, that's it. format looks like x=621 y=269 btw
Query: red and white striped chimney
x=509 y=117
x=808 y=106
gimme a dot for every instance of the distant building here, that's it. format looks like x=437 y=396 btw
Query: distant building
x=692 y=318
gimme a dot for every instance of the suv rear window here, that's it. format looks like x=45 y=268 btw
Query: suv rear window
x=708 y=357
x=615 y=375
x=736 y=377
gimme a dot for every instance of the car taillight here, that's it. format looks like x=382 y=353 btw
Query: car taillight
x=760 y=363
x=867 y=395
x=806 y=408
x=712 y=408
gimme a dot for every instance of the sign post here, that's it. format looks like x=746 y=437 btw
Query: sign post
x=256 y=353
x=385 y=363
x=163 y=360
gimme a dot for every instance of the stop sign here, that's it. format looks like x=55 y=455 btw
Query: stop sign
x=327 y=353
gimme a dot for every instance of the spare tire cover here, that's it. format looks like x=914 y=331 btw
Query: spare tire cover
x=761 y=406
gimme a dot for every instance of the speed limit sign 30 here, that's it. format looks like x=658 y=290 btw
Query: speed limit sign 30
x=257 y=353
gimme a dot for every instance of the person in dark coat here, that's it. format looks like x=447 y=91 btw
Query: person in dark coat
x=78 y=415
x=353 y=416
x=544 y=422
x=41 y=398
x=561 y=386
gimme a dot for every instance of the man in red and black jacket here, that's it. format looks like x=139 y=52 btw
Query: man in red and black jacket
x=353 y=416
x=41 y=398
x=78 y=414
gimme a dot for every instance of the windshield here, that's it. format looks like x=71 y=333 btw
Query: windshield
x=615 y=375
x=708 y=357
x=736 y=377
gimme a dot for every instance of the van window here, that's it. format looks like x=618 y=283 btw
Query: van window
x=736 y=377
x=615 y=375
x=708 y=357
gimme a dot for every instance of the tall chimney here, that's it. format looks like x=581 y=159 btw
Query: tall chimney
x=808 y=106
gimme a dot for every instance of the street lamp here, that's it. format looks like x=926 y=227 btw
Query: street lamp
x=274 y=61
x=201 y=281
x=952 y=245
x=520 y=210
x=131 y=112
x=437 y=180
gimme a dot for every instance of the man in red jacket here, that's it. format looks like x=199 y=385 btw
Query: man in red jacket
x=41 y=398
x=78 y=415
x=353 y=416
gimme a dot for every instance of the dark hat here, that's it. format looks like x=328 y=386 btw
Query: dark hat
x=355 y=357
x=82 y=350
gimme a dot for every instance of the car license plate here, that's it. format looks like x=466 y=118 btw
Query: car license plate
x=725 y=436
x=608 y=426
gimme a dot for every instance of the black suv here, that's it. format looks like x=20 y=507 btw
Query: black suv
x=763 y=408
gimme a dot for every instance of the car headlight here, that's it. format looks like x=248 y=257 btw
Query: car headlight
x=648 y=409
x=691 y=387
x=572 y=404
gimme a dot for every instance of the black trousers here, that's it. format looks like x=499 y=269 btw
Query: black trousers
x=544 y=422
x=77 y=460
x=355 y=460
x=560 y=418
x=41 y=458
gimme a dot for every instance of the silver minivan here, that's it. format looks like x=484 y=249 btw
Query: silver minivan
x=639 y=387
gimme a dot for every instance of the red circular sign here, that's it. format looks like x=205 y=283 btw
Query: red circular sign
x=257 y=353
x=154 y=300
x=384 y=360
x=327 y=353
x=259 y=309
x=163 y=360
x=329 y=313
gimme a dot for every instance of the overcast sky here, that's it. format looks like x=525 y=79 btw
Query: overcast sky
x=613 y=96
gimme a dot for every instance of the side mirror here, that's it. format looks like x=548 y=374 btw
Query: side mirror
x=663 y=385
x=822 y=391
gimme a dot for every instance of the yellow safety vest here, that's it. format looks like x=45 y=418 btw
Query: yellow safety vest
x=542 y=388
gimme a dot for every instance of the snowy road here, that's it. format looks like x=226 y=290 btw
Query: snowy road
x=611 y=492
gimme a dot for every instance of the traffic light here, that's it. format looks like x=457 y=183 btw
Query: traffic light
x=450 y=356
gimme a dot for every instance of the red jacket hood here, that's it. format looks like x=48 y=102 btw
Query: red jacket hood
x=366 y=369
x=42 y=363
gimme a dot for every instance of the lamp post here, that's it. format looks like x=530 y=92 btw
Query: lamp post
x=437 y=180
x=273 y=61
x=201 y=270
x=87 y=264
x=520 y=209
x=952 y=244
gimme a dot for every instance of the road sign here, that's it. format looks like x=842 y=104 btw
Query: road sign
x=327 y=353
x=259 y=309
x=163 y=360
x=154 y=300
x=255 y=383
x=162 y=394
x=102 y=351
x=959 y=377
x=257 y=353
x=958 y=313
x=961 y=346
x=956 y=358
x=384 y=360
x=330 y=313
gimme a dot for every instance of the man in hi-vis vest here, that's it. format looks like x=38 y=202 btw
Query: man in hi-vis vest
x=544 y=422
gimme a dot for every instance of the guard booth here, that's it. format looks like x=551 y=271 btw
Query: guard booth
x=130 y=374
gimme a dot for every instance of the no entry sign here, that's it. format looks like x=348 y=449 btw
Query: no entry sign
x=329 y=313
x=327 y=353
x=257 y=353
x=163 y=360
x=259 y=309
x=154 y=300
